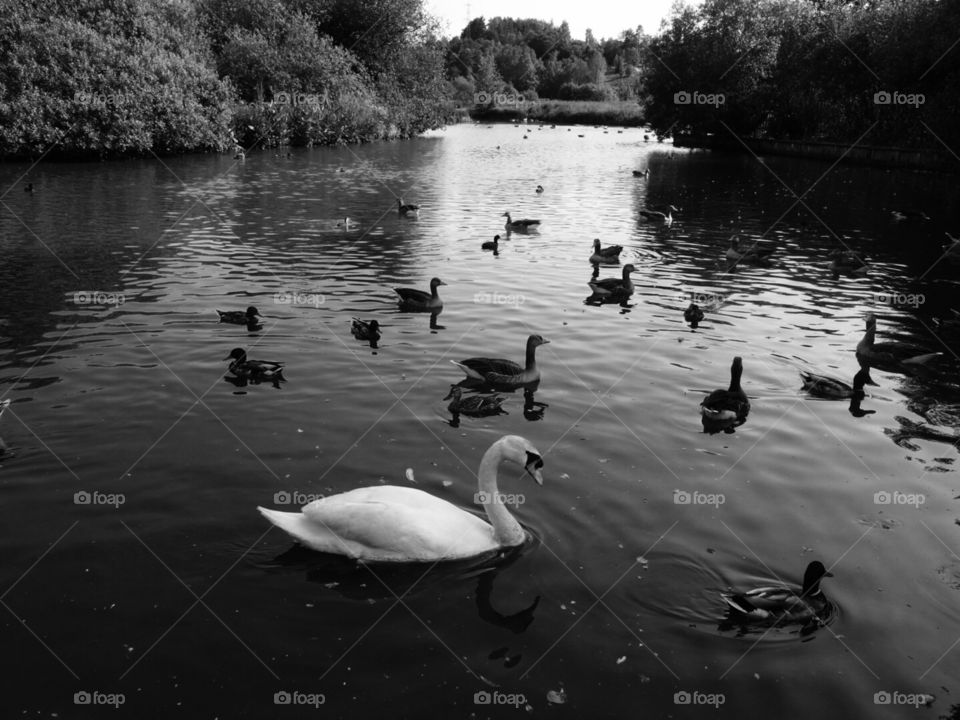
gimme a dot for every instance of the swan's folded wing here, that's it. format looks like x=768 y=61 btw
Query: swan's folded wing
x=398 y=521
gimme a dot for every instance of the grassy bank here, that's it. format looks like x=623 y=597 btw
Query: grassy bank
x=565 y=112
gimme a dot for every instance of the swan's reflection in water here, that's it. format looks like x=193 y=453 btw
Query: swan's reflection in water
x=368 y=582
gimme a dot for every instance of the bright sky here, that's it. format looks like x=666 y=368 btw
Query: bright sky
x=607 y=18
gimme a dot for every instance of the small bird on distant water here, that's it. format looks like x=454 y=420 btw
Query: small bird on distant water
x=28 y=188
x=693 y=315
x=539 y=189
x=239 y=317
x=519 y=225
x=491 y=244
x=365 y=330
x=901 y=215
x=641 y=173
x=659 y=217
x=407 y=210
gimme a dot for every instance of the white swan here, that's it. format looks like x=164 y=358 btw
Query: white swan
x=401 y=524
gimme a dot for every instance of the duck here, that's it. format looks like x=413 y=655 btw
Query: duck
x=365 y=329
x=414 y=299
x=491 y=244
x=519 y=225
x=892 y=356
x=755 y=254
x=539 y=189
x=610 y=254
x=902 y=215
x=407 y=210
x=474 y=406
x=608 y=287
x=242 y=367
x=693 y=315
x=730 y=404
x=660 y=217
x=848 y=262
x=346 y=224
x=782 y=605
x=391 y=523
x=240 y=317
x=505 y=373
x=823 y=386
x=641 y=173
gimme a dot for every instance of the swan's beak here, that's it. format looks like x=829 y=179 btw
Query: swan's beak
x=535 y=474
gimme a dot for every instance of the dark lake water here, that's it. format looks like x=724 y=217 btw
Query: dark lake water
x=169 y=591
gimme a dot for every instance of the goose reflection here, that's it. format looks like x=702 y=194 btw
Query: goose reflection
x=532 y=410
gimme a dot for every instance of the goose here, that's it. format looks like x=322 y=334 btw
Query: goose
x=519 y=225
x=847 y=261
x=609 y=254
x=641 y=173
x=782 y=605
x=240 y=317
x=491 y=244
x=755 y=254
x=730 y=404
x=618 y=287
x=391 y=523
x=539 y=189
x=253 y=369
x=829 y=388
x=659 y=217
x=901 y=215
x=693 y=315
x=891 y=356
x=413 y=299
x=505 y=373
x=474 y=406
x=4 y=404
x=407 y=210
x=365 y=330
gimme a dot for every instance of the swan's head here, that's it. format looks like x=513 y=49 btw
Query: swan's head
x=520 y=451
x=236 y=354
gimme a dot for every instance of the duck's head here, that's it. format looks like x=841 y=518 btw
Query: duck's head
x=520 y=451
x=627 y=269
x=535 y=341
x=237 y=354
x=253 y=312
x=506 y=215
x=871 y=321
x=435 y=283
x=596 y=244
x=374 y=325
x=811 y=577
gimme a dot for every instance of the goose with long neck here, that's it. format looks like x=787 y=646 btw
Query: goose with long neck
x=389 y=523
x=416 y=299
x=617 y=287
x=503 y=373
x=730 y=404
x=609 y=254
x=888 y=355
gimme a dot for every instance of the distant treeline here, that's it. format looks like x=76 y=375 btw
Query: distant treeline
x=884 y=72
x=103 y=78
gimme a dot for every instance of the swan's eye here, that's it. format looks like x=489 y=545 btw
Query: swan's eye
x=535 y=460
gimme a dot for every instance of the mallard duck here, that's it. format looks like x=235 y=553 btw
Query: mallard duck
x=239 y=317
x=505 y=373
x=659 y=217
x=475 y=405
x=407 y=210
x=539 y=189
x=365 y=330
x=389 y=523
x=641 y=173
x=822 y=386
x=519 y=225
x=782 y=605
x=253 y=369
x=848 y=262
x=754 y=254
x=491 y=244
x=901 y=215
x=730 y=404
x=891 y=356
x=413 y=299
x=693 y=314
x=607 y=287
x=609 y=254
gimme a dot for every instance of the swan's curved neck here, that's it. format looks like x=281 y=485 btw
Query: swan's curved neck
x=506 y=530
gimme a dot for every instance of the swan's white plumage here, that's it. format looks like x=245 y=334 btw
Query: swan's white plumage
x=393 y=523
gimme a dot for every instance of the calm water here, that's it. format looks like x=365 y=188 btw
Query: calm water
x=185 y=601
